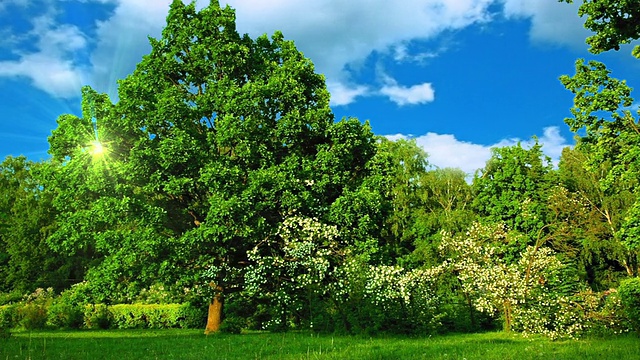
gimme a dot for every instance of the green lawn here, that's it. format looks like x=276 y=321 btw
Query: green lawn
x=191 y=344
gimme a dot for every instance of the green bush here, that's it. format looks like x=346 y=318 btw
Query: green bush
x=10 y=298
x=8 y=316
x=33 y=316
x=6 y=320
x=156 y=316
x=629 y=291
x=191 y=316
x=233 y=325
x=33 y=312
x=66 y=310
x=97 y=316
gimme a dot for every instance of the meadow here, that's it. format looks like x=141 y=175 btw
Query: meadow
x=191 y=344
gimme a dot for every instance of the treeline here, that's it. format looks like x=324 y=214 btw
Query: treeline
x=220 y=178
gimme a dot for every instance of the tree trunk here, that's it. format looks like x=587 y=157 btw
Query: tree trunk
x=214 y=317
x=471 y=314
x=507 y=316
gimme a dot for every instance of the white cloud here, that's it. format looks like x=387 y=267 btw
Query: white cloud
x=416 y=94
x=446 y=151
x=404 y=95
x=336 y=33
x=551 y=21
x=342 y=94
x=5 y=3
x=51 y=66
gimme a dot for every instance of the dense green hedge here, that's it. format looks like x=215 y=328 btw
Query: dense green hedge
x=99 y=316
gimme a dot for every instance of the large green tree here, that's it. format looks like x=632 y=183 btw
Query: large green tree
x=216 y=139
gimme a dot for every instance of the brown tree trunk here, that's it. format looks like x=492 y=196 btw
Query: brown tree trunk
x=507 y=316
x=214 y=317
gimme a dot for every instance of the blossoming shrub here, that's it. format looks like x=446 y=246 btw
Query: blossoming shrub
x=372 y=299
x=289 y=279
x=309 y=284
x=530 y=293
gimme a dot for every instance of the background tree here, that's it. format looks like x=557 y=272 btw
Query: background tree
x=595 y=217
x=614 y=22
x=513 y=188
x=28 y=262
x=446 y=199
x=612 y=137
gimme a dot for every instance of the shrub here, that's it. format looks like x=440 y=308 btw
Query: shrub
x=33 y=312
x=191 y=316
x=156 y=294
x=97 y=316
x=10 y=298
x=233 y=325
x=66 y=310
x=5 y=320
x=629 y=291
x=156 y=316
x=8 y=316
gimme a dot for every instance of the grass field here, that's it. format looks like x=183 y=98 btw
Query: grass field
x=191 y=344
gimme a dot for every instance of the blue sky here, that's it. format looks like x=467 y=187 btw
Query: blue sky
x=459 y=76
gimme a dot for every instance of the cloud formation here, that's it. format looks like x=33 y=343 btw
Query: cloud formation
x=335 y=34
x=411 y=95
x=446 y=151
x=51 y=66
x=551 y=22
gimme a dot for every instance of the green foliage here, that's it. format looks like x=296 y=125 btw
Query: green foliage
x=374 y=299
x=614 y=22
x=233 y=325
x=612 y=141
x=629 y=291
x=138 y=316
x=33 y=312
x=8 y=316
x=143 y=316
x=67 y=309
x=10 y=298
x=97 y=316
x=512 y=189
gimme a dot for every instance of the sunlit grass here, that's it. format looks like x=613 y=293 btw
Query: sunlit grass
x=191 y=344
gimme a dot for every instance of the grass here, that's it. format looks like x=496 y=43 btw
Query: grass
x=191 y=344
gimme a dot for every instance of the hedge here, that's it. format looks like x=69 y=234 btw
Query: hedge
x=100 y=316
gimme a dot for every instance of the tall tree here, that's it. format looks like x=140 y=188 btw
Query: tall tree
x=612 y=137
x=513 y=188
x=216 y=139
x=595 y=217
x=25 y=198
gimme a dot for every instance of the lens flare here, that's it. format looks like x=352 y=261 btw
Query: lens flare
x=97 y=149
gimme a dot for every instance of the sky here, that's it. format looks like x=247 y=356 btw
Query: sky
x=458 y=76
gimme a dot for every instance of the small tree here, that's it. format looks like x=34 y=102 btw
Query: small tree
x=495 y=284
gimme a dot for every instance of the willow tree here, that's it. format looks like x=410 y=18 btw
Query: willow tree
x=233 y=135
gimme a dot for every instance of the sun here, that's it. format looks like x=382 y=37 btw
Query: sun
x=97 y=149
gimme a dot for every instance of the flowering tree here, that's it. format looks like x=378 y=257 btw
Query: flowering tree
x=287 y=267
x=498 y=286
